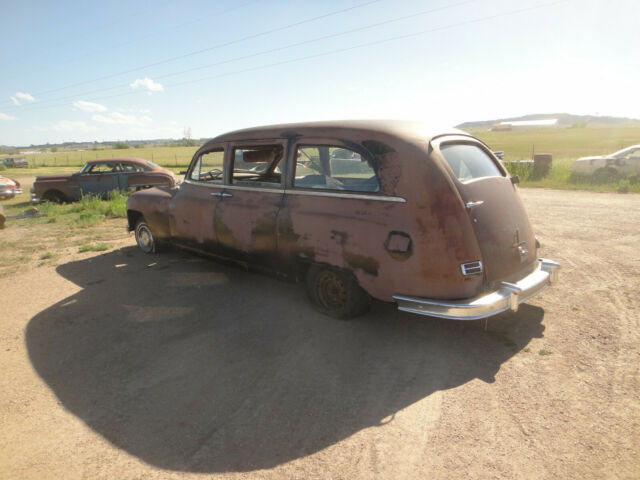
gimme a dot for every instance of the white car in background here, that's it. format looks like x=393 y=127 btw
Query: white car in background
x=623 y=162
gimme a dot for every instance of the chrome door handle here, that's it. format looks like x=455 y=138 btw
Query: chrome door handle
x=471 y=205
x=221 y=194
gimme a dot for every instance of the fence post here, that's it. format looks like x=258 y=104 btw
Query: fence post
x=152 y=157
x=175 y=158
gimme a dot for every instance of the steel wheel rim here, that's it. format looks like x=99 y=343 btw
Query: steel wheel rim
x=331 y=291
x=145 y=238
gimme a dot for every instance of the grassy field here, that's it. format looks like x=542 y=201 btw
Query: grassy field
x=165 y=156
x=565 y=144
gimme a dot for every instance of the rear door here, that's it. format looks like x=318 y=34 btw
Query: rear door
x=494 y=207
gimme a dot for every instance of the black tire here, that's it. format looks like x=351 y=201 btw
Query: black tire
x=54 y=196
x=336 y=293
x=144 y=237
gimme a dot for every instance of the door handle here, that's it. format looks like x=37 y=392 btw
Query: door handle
x=221 y=194
x=471 y=205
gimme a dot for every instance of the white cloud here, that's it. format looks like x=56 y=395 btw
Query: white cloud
x=147 y=83
x=117 y=118
x=15 y=100
x=25 y=96
x=89 y=106
x=4 y=116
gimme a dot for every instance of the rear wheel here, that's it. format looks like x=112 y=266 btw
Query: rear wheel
x=336 y=293
x=144 y=237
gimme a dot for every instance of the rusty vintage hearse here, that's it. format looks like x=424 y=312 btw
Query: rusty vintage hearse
x=357 y=209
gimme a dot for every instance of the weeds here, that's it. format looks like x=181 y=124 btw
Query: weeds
x=90 y=210
x=544 y=352
x=98 y=247
x=46 y=256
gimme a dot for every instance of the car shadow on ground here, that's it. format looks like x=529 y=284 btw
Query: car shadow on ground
x=195 y=366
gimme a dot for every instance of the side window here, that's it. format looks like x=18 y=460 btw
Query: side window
x=208 y=167
x=98 y=168
x=257 y=165
x=130 y=167
x=334 y=168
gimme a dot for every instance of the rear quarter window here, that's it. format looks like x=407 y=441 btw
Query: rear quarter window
x=469 y=162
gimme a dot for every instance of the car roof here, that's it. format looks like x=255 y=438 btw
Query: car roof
x=120 y=159
x=406 y=130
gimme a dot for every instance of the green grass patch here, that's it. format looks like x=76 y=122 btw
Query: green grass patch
x=544 y=352
x=46 y=256
x=98 y=247
x=90 y=210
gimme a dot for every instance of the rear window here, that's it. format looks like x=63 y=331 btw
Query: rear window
x=469 y=161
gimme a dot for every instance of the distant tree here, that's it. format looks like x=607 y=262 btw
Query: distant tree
x=54 y=149
x=121 y=145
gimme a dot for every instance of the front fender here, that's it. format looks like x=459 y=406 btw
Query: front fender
x=153 y=205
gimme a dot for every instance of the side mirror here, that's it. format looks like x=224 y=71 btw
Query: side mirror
x=515 y=179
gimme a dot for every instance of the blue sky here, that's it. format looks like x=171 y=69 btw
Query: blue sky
x=84 y=71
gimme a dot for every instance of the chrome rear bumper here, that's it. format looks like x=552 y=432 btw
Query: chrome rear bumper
x=507 y=297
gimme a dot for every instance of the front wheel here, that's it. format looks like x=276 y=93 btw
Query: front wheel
x=144 y=237
x=336 y=293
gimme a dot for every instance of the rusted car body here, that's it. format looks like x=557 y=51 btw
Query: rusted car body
x=99 y=177
x=432 y=222
x=9 y=188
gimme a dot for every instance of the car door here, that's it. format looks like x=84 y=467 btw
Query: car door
x=247 y=214
x=100 y=178
x=127 y=170
x=192 y=209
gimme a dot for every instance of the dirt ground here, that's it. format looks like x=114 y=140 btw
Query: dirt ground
x=121 y=365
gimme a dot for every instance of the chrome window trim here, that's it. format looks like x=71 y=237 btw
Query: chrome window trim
x=356 y=196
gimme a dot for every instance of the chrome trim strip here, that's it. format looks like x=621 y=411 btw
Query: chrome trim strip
x=253 y=189
x=507 y=297
x=357 y=196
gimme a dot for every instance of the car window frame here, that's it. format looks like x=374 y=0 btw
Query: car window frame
x=203 y=151
x=457 y=140
x=259 y=143
x=331 y=143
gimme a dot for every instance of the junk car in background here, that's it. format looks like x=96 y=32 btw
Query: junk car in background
x=99 y=177
x=9 y=188
x=357 y=210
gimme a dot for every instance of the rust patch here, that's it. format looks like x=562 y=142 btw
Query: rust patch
x=224 y=236
x=263 y=235
x=341 y=236
x=360 y=262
